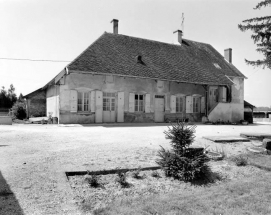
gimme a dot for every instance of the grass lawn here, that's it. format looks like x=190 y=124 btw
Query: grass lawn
x=251 y=195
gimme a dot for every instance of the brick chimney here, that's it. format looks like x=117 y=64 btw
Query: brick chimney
x=228 y=55
x=115 y=26
x=178 y=35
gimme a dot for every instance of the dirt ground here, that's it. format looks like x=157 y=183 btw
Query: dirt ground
x=33 y=158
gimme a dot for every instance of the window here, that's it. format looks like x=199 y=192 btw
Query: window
x=139 y=102
x=179 y=104
x=83 y=101
x=196 y=104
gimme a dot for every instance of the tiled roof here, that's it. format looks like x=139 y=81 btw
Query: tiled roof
x=191 y=62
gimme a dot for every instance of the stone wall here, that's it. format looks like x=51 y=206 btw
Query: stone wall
x=36 y=105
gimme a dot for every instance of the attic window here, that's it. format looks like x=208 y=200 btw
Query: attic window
x=217 y=66
x=139 y=59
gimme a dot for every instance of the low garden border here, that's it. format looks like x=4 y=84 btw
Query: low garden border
x=106 y=172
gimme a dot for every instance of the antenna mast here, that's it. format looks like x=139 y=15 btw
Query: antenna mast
x=182 y=22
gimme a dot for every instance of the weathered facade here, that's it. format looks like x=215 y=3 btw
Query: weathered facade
x=126 y=79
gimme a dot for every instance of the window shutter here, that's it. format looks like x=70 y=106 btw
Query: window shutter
x=189 y=104
x=131 y=102
x=92 y=101
x=147 y=103
x=172 y=104
x=224 y=94
x=98 y=106
x=202 y=105
x=73 y=100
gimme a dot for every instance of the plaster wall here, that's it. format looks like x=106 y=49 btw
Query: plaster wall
x=233 y=111
x=227 y=112
x=89 y=82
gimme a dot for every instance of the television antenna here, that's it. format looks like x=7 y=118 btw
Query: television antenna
x=182 y=22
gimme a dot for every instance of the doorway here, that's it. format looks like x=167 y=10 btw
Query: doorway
x=109 y=106
x=159 y=108
x=213 y=97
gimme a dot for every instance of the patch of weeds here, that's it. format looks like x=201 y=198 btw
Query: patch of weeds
x=100 y=211
x=122 y=179
x=93 y=180
x=155 y=174
x=240 y=160
x=136 y=173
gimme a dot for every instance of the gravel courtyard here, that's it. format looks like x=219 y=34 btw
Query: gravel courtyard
x=33 y=158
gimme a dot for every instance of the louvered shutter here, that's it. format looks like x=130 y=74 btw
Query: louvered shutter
x=73 y=100
x=131 y=102
x=172 y=104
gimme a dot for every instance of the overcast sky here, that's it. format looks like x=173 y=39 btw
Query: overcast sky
x=62 y=29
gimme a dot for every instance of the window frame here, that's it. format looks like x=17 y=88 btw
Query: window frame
x=84 y=96
x=139 y=104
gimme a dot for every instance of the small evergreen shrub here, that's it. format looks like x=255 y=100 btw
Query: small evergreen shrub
x=93 y=180
x=182 y=162
x=122 y=179
x=240 y=160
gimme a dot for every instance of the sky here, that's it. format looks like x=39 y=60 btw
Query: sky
x=60 y=30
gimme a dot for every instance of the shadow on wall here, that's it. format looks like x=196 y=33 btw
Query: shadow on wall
x=8 y=202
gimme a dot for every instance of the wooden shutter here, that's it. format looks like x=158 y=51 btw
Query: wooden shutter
x=172 y=104
x=189 y=104
x=92 y=101
x=147 y=103
x=224 y=94
x=120 y=116
x=73 y=100
x=98 y=106
x=131 y=102
x=202 y=104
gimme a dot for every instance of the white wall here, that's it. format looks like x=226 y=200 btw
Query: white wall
x=52 y=105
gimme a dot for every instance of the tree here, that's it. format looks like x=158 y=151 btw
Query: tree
x=261 y=28
x=7 y=98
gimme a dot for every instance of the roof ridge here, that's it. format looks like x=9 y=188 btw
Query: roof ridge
x=155 y=41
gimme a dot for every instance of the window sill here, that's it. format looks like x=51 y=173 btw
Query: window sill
x=84 y=112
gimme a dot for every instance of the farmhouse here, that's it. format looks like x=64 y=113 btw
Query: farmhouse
x=120 y=78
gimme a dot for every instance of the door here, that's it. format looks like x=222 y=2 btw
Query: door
x=159 y=108
x=109 y=107
x=213 y=97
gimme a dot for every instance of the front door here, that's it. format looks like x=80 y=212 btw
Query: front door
x=213 y=97
x=159 y=110
x=109 y=107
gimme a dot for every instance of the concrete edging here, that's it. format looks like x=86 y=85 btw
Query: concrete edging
x=106 y=172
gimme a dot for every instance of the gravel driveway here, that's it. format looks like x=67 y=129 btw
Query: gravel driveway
x=33 y=158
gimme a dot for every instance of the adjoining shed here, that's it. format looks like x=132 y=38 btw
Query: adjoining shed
x=36 y=103
x=248 y=111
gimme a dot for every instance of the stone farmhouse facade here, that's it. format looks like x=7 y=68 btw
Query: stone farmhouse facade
x=120 y=78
